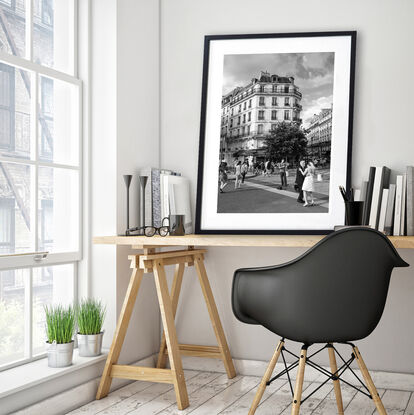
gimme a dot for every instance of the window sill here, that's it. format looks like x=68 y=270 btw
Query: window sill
x=34 y=373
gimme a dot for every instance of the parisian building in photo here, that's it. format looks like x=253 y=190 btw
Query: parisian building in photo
x=249 y=113
x=320 y=135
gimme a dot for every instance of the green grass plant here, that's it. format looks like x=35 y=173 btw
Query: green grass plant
x=60 y=323
x=91 y=315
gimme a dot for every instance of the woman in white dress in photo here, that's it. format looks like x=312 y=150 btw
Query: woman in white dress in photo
x=308 y=184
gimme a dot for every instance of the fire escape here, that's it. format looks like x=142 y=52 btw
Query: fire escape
x=45 y=129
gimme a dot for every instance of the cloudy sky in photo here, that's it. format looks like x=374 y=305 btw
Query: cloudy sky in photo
x=313 y=73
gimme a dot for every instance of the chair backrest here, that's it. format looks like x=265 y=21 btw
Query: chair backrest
x=334 y=292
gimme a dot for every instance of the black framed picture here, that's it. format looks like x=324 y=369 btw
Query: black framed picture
x=276 y=132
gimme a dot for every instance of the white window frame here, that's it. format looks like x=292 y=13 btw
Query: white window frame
x=34 y=259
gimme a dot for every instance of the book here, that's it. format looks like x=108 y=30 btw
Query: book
x=357 y=195
x=403 y=205
x=381 y=181
x=389 y=216
x=410 y=200
x=397 y=210
x=368 y=199
x=383 y=210
x=364 y=187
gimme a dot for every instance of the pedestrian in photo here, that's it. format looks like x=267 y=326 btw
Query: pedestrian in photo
x=223 y=175
x=262 y=168
x=300 y=177
x=268 y=168
x=244 y=170
x=308 y=185
x=237 y=182
x=282 y=171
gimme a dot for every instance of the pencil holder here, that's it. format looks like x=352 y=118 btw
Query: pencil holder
x=353 y=213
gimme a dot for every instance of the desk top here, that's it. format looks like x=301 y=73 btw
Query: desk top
x=231 y=240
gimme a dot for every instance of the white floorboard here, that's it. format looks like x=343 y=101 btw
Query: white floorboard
x=212 y=393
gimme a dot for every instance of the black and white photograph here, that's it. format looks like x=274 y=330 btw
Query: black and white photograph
x=276 y=133
x=276 y=129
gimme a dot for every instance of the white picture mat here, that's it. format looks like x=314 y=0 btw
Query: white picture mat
x=210 y=219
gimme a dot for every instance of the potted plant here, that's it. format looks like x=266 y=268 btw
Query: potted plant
x=60 y=325
x=91 y=315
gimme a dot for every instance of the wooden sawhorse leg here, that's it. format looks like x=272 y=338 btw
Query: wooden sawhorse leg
x=222 y=350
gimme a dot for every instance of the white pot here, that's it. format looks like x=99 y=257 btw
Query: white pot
x=90 y=344
x=59 y=355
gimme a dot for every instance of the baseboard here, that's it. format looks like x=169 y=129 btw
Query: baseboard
x=74 y=398
x=382 y=380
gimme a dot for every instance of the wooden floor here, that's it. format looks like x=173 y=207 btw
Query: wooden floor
x=212 y=393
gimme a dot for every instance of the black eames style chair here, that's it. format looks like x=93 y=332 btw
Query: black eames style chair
x=334 y=293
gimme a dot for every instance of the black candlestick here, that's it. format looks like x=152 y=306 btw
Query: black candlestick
x=127 y=180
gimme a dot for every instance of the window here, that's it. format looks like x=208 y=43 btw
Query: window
x=287 y=115
x=231 y=122
x=287 y=102
x=248 y=129
x=40 y=173
x=273 y=127
x=249 y=116
x=244 y=118
x=238 y=120
x=240 y=108
x=260 y=129
x=250 y=103
x=261 y=115
x=274 y=101
x=261 y=100
x=286 y=89
x=244 y=105
x=232 y=111
x=274 y=115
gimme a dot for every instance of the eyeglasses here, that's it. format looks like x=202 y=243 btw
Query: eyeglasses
x=151 y=230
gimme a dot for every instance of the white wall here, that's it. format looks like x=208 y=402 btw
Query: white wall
x=382 y=135
x=124 y=113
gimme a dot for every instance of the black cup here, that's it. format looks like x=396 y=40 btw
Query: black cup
x=176 y=225
x=354 y=213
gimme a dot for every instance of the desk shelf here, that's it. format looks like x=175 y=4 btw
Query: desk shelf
x=287 y=241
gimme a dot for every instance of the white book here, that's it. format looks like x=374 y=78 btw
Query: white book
x=410 y=200
x=397 y=212
x=383 y=211
x=403 y=204
x=357 y=195
x=390 y=210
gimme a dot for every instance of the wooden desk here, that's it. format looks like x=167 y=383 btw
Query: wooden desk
x=148 y=260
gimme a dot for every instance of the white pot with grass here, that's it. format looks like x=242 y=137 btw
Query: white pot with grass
x=91 y=315
x=60 y=326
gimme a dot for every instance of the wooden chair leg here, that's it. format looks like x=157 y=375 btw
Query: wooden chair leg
x=299 y=383
x=167 y=316
x=265 y=378
x=120 y=331
x=370 y=384
x=175 y=293
x=214 y=316
x=337 y=386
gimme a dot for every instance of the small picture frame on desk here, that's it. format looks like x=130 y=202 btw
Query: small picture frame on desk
x=275 y=132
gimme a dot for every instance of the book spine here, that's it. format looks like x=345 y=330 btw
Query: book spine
x=375 y=203
x=410 y=200
x=383 y=211
x=389 y=216
x=156 y=198
x=368 y=200
x=397 y=213
x=403 y=205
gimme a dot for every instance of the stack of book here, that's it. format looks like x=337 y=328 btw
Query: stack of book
x=167 y=193
x=388 y=207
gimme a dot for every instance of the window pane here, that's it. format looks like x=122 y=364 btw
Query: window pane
x=58 y=122
x=12 y=310
x=14 y=112
x=58 y=209
x=15 y=208
x=51 y=285
x=53 y=33
x=12 y=27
